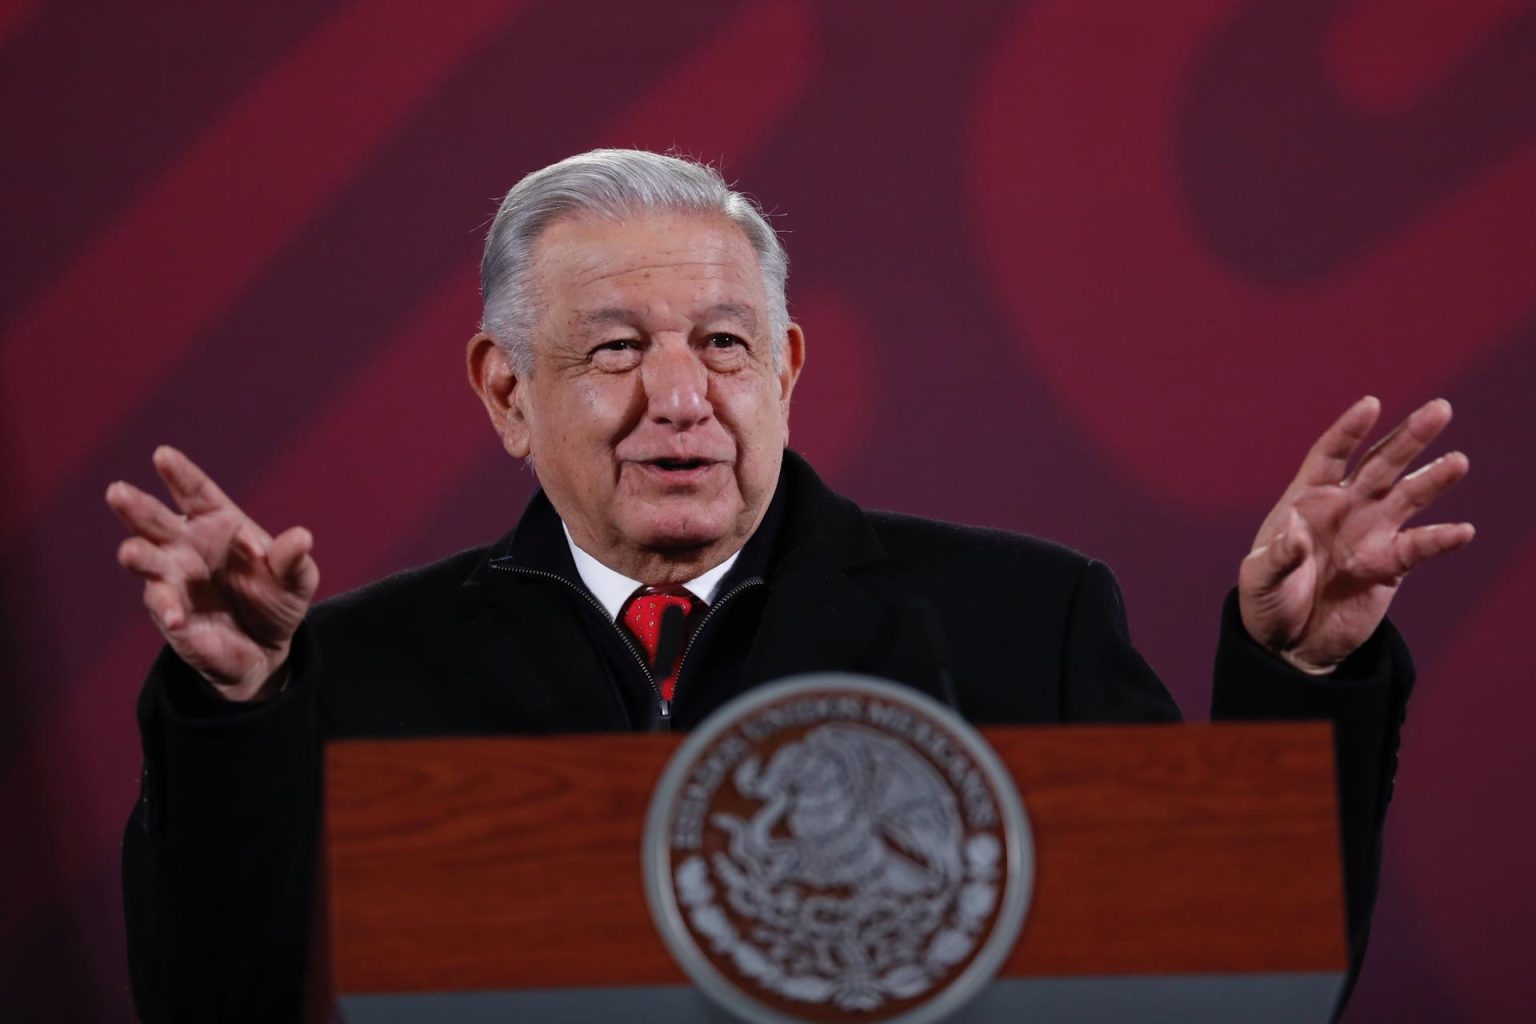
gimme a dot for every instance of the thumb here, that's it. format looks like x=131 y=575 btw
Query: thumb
x=1273 y=612
x=1266 y=566
x=291 y=563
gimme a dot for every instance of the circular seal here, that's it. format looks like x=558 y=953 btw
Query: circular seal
x=834 y=847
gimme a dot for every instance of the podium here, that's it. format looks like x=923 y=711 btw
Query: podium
x=1183 y=873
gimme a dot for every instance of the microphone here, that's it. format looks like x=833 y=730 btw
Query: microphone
x=669 y=640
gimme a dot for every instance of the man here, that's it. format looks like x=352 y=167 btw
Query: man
x=636 y=348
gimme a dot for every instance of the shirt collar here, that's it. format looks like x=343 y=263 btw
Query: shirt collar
x=613 y=589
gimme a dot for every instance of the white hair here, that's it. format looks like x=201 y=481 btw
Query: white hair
x=614 y=184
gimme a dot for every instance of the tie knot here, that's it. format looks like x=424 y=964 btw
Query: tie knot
x=644 y=611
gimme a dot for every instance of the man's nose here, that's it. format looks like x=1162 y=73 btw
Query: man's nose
x=676 y=385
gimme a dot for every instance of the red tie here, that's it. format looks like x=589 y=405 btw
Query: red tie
x=642 y=617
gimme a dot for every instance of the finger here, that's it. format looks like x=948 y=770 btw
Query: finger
x=143 y=513
x=193 y=489
x=1385 y=462
x=144 y=558
x=251 y=540
x=1416 y=546
x=290 y=560
x=1416 y=490
x=1328 y=461
x=167 y=604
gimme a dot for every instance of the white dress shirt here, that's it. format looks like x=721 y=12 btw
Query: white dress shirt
x=613 y=589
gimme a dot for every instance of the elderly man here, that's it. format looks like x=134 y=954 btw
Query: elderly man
x=637 y=349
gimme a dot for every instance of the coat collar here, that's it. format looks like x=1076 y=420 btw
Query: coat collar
x=805 y=521
x=817 y=615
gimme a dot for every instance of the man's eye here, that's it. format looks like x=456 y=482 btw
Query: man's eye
x=618 y=350
x=616 y=355
x=724 y=341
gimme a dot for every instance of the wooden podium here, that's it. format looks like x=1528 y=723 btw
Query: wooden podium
x=1183 y=873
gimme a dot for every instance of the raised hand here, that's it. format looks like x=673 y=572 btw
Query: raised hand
x=226 y=595
x=1331 y=554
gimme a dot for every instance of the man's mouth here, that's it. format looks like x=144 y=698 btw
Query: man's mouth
x=678 y=465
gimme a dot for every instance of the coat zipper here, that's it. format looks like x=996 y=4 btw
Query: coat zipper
x=628 y=641
x=746 y=584
x=663 y=706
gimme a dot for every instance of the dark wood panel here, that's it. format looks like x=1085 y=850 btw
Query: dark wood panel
x=505 y=863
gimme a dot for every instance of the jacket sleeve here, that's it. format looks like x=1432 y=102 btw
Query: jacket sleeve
x=1104 y=678
x=219 y=854
x=1365 y=698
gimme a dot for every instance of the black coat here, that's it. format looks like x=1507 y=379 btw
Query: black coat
x=219 y=855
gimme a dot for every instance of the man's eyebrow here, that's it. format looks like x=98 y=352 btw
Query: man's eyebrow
x=740 y=312
x=737 y=311
x=609 y=315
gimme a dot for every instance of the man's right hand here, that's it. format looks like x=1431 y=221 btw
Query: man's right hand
x=227 y=596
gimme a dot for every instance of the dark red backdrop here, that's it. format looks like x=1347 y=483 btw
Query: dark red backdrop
x=1088 y=269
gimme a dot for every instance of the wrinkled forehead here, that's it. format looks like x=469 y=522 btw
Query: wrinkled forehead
x=589 y=262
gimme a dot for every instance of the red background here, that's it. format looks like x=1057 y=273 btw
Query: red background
x=1092 y=270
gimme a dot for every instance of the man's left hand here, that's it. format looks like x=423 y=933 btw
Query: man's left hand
x=1331 y=554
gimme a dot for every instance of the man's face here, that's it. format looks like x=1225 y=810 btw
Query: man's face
x=654 y=414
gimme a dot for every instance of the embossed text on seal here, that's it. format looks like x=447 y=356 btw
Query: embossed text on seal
x=835 y=847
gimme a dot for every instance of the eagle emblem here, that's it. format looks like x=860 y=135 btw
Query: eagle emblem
x=838 y=856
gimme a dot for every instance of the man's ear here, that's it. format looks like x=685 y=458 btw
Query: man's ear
x=496 y=380
x=792 y=363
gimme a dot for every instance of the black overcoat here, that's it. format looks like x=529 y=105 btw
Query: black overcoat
x=219 y=853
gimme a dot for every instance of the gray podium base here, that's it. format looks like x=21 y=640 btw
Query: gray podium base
x=1281 y=998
